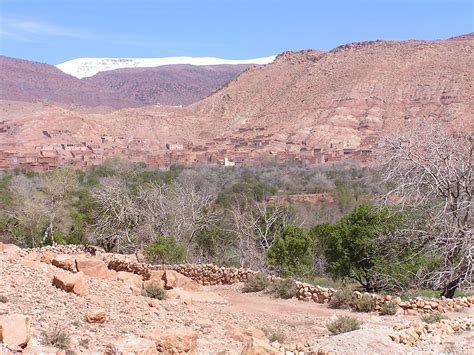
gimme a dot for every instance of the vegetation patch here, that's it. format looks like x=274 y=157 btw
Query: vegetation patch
x=343 y=325
x=388 y=309
x=152 y=290
x=284 y=288
x=255 y=283
x=365 y=303
x=342 y=299
x=57 y=338
x=434 y=317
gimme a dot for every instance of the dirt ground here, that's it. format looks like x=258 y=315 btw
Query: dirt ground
x=218 y=314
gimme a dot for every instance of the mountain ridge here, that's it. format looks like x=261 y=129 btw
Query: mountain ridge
x=88 y=67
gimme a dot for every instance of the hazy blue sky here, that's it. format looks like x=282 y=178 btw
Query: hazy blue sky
x=54 y=31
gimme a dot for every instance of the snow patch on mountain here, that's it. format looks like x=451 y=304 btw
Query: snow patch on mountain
x=87 y=67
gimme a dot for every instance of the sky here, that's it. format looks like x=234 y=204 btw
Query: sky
x=54 y=31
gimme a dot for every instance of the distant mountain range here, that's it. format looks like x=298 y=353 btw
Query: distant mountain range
x=179 y=84
x=87 y=67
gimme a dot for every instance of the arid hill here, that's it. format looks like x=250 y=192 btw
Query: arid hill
x=23 y=80
x=351 y=91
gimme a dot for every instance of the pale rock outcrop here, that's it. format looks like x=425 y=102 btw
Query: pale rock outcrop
x=94 y=267
x=131 y=281
x=69 y=282
x=15 y=331
x=256 y=346
x=174 y=341
x=131 y=345
x=64 y=261
x=174 y=279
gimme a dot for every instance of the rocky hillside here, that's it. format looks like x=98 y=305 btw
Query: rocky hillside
x=352 y=90
x=22 y=80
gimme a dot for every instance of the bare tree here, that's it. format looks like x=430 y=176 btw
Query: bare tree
x=116 y=215
x=256 y=225
x=28 y=210
x=58 y=187
x=429 y=171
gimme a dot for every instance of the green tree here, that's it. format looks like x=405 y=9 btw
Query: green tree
x=165 y=250
x=359 y=247
x=290 y=254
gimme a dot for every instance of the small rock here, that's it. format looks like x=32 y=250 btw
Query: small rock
x=96 y=316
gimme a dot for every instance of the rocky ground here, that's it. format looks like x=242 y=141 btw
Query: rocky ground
x=112 y=317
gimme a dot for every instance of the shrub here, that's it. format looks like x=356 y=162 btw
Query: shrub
x=434 y=317
x=285 y=288
x=255 y=283
x=291 y=252
x=365 y=303
x=343 y=325
x=57 y=338
x=389 y=309
x=342 y=299
x=3 y=299
x=152 y=290
x=275 y=335
x=165 y=250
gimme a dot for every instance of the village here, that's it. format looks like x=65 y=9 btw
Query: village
x=241 y=147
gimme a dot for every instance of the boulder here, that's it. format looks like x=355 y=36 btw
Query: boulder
x=131 y=344
x=47 y=257
x=244 y=335
x=174 y=279
x=15 y=331
x=96 y=316
x=257 y=346
x=75 y=283
x=158 y=276
x=174 y=341
x=94 y=267
x=64 y=261
x=129 y=279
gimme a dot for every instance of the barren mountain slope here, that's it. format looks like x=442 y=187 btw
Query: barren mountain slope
x=23 y=80
x=167 y=85
x=351 y=91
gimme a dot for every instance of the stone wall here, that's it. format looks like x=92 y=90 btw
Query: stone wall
x=209 y=275
x=410 y=334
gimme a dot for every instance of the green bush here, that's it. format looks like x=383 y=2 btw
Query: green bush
x=290 y=254
x=343 y=325
x=284 y=288
x=255 y=283
x=365 y=303
x=342 y=299
x=434 y=317
x=152 y=290
x=388 y=309
x=165 y=250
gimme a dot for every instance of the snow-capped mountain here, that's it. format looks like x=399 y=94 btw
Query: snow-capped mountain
x=87 y=67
